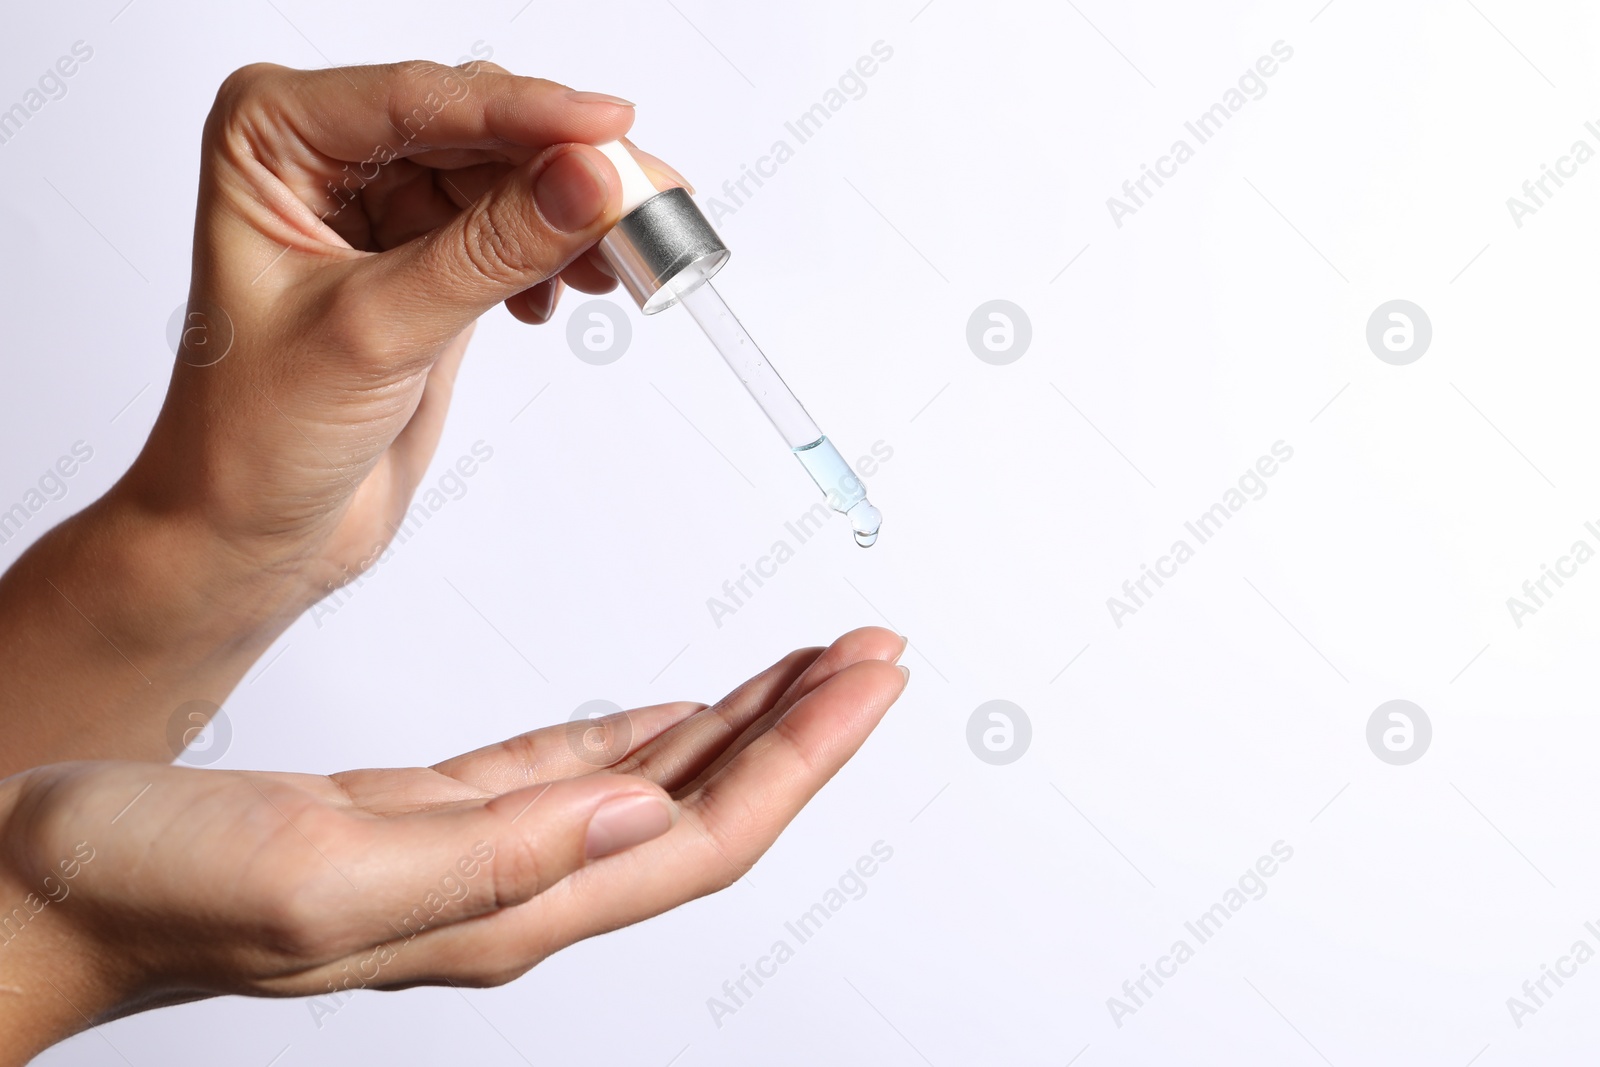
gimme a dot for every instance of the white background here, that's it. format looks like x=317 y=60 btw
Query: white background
x=1227 y=714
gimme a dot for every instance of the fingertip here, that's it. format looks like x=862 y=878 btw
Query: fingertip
x=542 y=112
x=661 y=172
x=871 y=685
x=863 y=691
x=588 y=274
x=883 y=673
x=611 y=117
x=587 y=284
x=578 y=96
x=871 y=642
x=517 y=305
x=535 y=304
x=541 y=301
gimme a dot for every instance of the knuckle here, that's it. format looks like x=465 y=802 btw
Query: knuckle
x=786 y=731
x=429 y=84
x=240 y=101
x=518 y=872
x=46 y=824
x=742 y=863
x=491 y=247
x=495 y=969
x=725 y=874
x=419 y=89
x=482 y=66
x=246 y=84
x=525 y=753
x=355 y=323
x=541 y=85
x=412 y=72
x=730 y=855
x=294 y=924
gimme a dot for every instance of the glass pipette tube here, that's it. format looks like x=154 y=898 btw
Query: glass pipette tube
x=841 y=487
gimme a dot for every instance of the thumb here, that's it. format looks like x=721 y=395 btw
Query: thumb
x=435 y=868
x=536 y=220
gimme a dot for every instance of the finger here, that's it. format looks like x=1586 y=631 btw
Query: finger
x=588 y=274
x=729 y=823
x=678 y=762
x=680 y=753
x=397 y=218
x=405 y=202
x=861 y=645
x=663 y=175
x=565 y=750
x=407 y=110
x=535 y=306
x=408 y=200
x=400 y=876
x=401 y=203
x=469 y=184
x=775 y=774
x=535 y=221
x=722 y=833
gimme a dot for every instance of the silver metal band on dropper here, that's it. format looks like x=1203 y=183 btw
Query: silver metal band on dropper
x=663 y=249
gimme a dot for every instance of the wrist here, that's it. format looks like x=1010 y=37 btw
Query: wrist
x=263 y=553
x=194 y=585
x=115 y=619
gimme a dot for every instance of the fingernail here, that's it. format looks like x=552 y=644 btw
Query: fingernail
x=624 y=823
x=905 y=672
x=678 y=177
x=664 y=167
x=578 y=97
x=542 y=302
x=905 y=643
x=570 y=192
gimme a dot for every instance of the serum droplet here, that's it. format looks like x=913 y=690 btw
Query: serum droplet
x=865 y=521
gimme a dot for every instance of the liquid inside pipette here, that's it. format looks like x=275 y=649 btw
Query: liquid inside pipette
x=842 y=488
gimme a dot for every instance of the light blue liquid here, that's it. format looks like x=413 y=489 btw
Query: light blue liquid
x=842 y=488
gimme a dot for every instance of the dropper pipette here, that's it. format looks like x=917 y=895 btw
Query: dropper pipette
x=664 y=252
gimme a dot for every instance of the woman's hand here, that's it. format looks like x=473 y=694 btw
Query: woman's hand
x=352 y=225
x=132 y=885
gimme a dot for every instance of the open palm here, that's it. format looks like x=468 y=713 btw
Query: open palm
x=468 y=872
